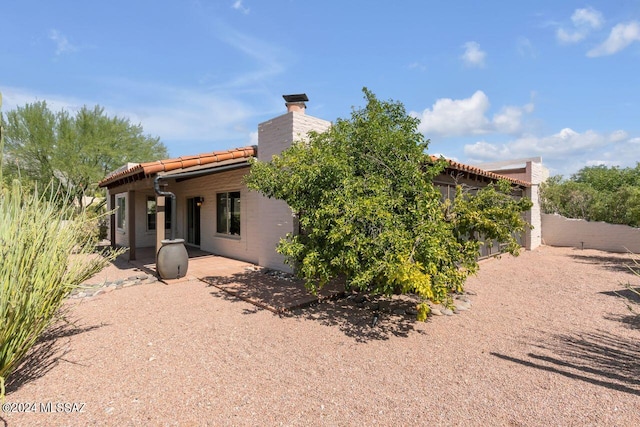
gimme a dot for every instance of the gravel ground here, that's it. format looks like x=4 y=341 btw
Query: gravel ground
x=546 y=342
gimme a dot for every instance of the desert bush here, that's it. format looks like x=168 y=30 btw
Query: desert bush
x=633 y=298
x=37 y=239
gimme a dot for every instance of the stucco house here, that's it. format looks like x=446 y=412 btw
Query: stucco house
x=215 y=211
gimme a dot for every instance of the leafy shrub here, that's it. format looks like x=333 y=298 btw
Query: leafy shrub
x=369 y=212
x=37 y=271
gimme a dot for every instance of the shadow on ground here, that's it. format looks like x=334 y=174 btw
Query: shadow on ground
x=48 y=351
x=631 y=298
x=360 y=321
x=357 y=318
x=611 y=262
x=599 y=358
x=278 y=294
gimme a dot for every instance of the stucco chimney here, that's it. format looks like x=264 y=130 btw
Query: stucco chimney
x=296 y=102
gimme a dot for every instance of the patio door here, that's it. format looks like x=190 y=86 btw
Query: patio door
x=193 y=220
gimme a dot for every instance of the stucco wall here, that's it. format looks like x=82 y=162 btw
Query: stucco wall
x=560 y=231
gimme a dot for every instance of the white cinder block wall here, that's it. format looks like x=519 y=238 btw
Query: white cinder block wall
x=581 y=234
x=276 y=219
x=536 y=174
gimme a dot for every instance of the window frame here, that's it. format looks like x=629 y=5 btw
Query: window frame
x=229 y=221
x=121 y=212
x=167 y=213
x=151 y=199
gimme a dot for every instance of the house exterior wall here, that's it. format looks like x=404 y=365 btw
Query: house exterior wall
x=275 y=218
x=264 y=221
x=243 y=247
x=578 y=233
x=122 y=236
x=534 y=173
x=144 y=238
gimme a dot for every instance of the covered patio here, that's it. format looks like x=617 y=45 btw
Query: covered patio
x=268 y=289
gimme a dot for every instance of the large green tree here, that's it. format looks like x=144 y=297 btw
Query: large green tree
x=596 y=193
x=76 y=151
x=369 y=211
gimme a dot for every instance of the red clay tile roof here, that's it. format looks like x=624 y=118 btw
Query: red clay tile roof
x=147 y=169
x=480 y=172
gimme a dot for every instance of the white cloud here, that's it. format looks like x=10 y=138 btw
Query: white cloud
x=588 y=17
x=238 y=5
x=62 y=43
x=618 y=135
x=567 y=37
x=567 y=141
x=473 y=56
x=176 y=113
x=417 y=66
x=449 y=117
x=268 y=57
x=621 y=36
x=253 y=138
x=600 y=162
x=509 y=120
x=525 y=47
x=463 y=117
x=16 y=97
x=584 y=21
x=204 y=120
x=565 y=151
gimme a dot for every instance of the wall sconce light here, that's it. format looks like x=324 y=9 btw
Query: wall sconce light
x=199 y=201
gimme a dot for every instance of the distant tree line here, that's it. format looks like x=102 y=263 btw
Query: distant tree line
x=72 y=151
x=596 y=193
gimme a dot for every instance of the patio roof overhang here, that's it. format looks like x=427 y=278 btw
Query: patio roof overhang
x=187 y=167
x=453 y=167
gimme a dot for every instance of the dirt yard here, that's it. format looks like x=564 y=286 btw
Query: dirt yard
x=546 y=342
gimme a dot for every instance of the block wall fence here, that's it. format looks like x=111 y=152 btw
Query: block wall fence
x=578 y=233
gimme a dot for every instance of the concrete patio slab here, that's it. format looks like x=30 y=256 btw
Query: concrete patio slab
x=275 y=292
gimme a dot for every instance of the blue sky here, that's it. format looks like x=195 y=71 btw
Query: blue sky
x=491 y=80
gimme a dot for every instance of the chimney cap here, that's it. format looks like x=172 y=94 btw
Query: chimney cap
x=300 y=97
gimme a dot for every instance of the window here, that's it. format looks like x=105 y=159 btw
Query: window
x=228 y=213
x=121 y=209
x=151 y=213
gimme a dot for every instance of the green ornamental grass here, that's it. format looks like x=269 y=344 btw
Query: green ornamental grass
x=44 y=255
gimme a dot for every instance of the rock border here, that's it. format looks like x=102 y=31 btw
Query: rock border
x=91 y=290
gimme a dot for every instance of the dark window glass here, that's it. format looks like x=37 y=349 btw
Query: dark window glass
x=228 y=213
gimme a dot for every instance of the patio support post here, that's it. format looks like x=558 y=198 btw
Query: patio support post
x=112 y=220
x=160 y=221
x=131 y=223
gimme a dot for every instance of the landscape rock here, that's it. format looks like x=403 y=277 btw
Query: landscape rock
x=92 y=290
x=360 y=298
